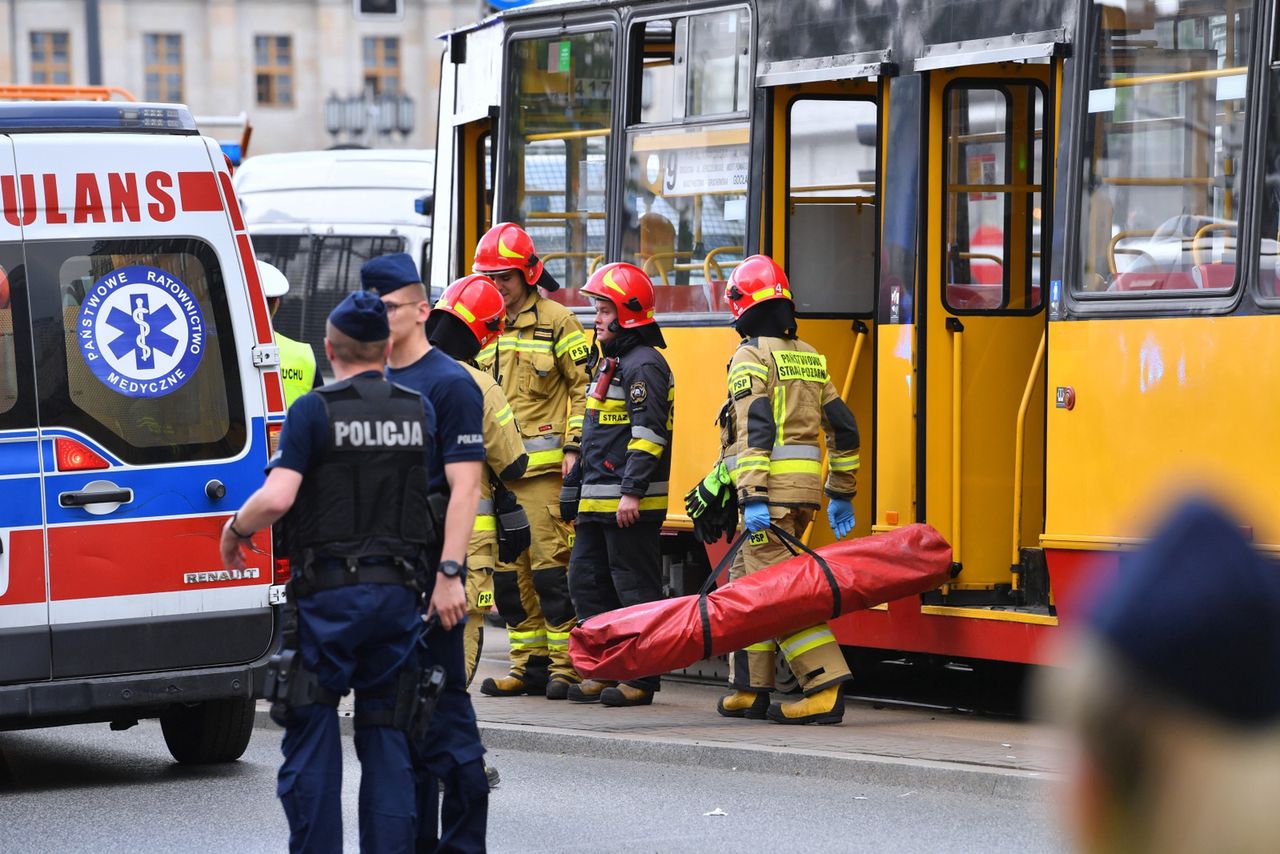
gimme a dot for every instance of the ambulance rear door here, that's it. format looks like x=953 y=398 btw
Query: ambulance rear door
x=24 y=605
x=151 y=412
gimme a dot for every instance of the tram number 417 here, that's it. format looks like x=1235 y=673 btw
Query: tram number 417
x=591 y=88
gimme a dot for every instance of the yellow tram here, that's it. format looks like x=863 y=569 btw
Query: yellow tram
x=1036 y=242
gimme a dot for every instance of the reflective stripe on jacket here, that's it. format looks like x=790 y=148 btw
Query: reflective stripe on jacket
x=781 y=403
x=541 y=366
x=626 y=440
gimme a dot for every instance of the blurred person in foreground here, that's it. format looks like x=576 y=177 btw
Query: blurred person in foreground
x=1173 y=697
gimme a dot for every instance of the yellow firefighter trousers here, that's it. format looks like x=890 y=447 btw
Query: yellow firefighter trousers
x=532 y=592
x=814 y=655
x=482 y=554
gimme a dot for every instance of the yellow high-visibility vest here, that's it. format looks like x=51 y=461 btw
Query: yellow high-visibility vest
x=297 y=368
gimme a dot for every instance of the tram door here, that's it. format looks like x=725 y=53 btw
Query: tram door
x=990 y=160
x=825 y=233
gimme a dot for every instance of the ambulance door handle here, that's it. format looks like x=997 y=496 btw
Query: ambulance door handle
x=95 y=496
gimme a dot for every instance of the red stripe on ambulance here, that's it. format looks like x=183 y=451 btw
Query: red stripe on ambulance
x=149 y=556
x=26 y=568
x=110 y=197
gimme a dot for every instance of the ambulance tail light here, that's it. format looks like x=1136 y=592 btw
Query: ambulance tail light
x=73 y=456
x=282 y=571
x=273 y=438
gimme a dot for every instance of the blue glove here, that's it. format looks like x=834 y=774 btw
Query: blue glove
x=756 y=516
x=840 y=515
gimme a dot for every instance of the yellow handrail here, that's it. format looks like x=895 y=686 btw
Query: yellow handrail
x=660 y=269
x=1114 y=247
x=708 y=263
x=1203 y=231
x=1018 y=453
x=566 y=134
x=1176 y=77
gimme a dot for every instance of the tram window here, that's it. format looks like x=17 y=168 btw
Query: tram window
x=694 y=67
x=1269 y=209
x=719 y=64
x=1162 y=176
x=832 y=205
x=556 y=147
x=686 y=211
x=994 y=162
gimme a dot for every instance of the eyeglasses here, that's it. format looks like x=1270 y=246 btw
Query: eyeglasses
x=392 y=306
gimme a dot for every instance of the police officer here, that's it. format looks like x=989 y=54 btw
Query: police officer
x=297 y=359
x=781 y=402
x=540 y=361
x=356 y=570
x=625 y=466
x=454 y=755
x=468 y=316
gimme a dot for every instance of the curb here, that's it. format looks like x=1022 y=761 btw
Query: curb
x=962 y=778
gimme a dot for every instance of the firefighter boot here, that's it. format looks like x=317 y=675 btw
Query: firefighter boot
x=623 y=694
x=744 y=704
x=558 y=688
x=511 y=685
x=588 y=690
x=824 y=707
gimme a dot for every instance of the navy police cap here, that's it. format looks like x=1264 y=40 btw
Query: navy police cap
x=388 y=273
x=361 y=316
x=1197 y=613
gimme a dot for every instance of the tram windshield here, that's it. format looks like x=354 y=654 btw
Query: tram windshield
x=1163 y=147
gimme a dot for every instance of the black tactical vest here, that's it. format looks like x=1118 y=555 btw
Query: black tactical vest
x=368 y=495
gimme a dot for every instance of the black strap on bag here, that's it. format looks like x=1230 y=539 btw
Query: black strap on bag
x=792 y=543
x=721 y=567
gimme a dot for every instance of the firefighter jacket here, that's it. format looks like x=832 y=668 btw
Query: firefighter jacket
x=368 y=495
x=503 y=449
x=781 y=402
x=626 y=441
x=540 y=362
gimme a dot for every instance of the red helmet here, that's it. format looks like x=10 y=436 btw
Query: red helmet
x=630 y=290
x=755 y=280
x=507 y=246
x=477 y=302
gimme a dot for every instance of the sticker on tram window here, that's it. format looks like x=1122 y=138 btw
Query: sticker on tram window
x=141 y=331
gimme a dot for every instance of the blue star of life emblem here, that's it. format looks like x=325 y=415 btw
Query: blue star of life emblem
x=141 y=331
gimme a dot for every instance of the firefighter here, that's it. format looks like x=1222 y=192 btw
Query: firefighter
x=781 y=402
x=358 y=567
x=453 y=756
x=297 y=359
x=540 y=362
x=467 y=317
x=625 y=465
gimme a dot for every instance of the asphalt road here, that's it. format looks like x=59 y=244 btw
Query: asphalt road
x=88 y=789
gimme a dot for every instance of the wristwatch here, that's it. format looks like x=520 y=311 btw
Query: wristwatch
x=450 y=568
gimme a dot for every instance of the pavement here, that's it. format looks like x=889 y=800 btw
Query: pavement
x=886 y=744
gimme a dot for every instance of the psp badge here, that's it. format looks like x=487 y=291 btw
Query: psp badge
x=141 y=331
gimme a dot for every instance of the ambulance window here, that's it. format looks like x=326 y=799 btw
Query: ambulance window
x=134 y=347
x=17 y=400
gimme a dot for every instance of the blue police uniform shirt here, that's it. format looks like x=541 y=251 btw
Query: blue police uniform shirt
x=305 y=434
x=458 y=405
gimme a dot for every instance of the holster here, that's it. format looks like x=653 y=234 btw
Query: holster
x=429 y=687
x=289 y=684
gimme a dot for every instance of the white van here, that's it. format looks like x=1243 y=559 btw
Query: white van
x=138 y=396
x=319 y=215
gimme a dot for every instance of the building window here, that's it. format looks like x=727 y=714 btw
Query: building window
x=50 y=58
x=163 y=53
x=274 y=58
x=382 y=65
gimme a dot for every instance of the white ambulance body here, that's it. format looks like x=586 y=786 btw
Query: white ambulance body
x=138 y=389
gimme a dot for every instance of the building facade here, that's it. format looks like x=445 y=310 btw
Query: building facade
x=296 y=68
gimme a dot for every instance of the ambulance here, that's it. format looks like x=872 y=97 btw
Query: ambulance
x=139 y=394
